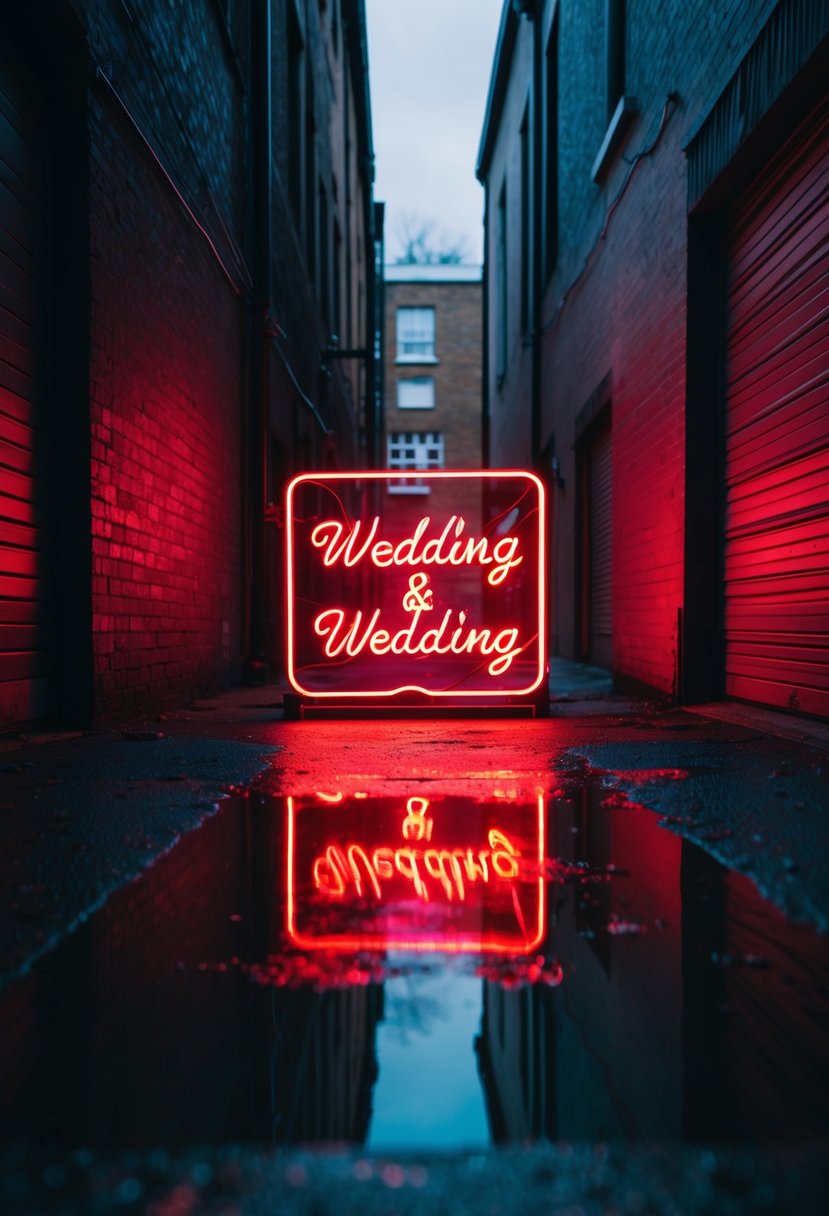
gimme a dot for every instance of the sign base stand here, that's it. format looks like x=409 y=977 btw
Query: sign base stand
x=298 y=708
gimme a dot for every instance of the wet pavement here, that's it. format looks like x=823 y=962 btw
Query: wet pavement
x=550 y=965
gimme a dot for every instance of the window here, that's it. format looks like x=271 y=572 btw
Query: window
x=413 y=450
x=615 y=52
x=620 y=109
x=311 y=197
x=417 y=393
x=416 y=335
x=336 y=317
x=324 y=263
x=526 y=285
x=335 y=27
x=295 y=113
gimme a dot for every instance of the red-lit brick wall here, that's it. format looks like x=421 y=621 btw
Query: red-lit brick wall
x=614 y=309
x=632 y=328
x=165 y=371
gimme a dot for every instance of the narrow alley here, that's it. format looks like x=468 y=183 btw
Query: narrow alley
x=414 y=607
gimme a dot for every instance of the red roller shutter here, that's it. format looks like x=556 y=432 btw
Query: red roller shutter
x=777 y=430
x=24 y=646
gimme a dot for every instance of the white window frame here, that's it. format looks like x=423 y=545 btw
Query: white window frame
x=415 y=329
x=413 y=450
x=421 y=382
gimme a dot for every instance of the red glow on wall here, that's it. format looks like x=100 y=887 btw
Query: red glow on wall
x=383 y=598
x=417 y=873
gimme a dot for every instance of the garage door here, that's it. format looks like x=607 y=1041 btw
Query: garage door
x=24 y=638
x=777 y=431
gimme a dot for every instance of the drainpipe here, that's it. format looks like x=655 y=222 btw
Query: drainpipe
x=543 y=694
x=533 y=10
x=485 y=457
x=537 y=210
x=379 y=335
x=370 y=387
x=261 y=333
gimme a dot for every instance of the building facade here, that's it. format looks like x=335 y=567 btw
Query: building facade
x=656 y=335
x=432 y=397
x=188 y=257
x=432 y=381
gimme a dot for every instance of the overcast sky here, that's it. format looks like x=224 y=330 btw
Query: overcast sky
x=429 y=64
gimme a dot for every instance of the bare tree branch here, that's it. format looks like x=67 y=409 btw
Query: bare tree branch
x=423 y=244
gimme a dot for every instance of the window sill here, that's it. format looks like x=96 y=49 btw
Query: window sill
x=622 y=117
x=409 y=489
x=430 y=359
x=407 y=408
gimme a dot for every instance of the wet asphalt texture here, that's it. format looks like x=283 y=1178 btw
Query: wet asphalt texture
x=82 y=816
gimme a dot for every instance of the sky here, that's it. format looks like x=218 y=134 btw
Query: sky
x=435 y=1020
x=429 y=69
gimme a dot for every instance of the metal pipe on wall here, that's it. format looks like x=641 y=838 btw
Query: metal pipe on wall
x=261 y=333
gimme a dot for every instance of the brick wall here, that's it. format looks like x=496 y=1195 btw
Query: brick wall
x=457 y=373
x=626 y=317
x=457 y=376
x=623 y=319
x=165 y=366
x=187 y=370
x=509 y=394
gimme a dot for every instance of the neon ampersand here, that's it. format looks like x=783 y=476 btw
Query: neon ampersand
x=417 y=598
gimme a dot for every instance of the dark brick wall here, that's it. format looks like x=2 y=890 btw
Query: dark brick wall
x=340 y=169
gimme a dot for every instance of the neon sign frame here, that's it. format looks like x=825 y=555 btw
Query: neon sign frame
x=383 y=554
x=466 y=942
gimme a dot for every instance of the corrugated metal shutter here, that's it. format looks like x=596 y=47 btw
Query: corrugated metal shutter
x=24 y=648
x=601 y=549
x=777 y=431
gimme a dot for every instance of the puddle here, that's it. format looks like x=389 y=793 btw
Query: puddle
x=423 y=971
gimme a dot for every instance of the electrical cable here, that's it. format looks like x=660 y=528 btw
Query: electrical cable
x=306 y=400
x=668 y=109
x=101 y=75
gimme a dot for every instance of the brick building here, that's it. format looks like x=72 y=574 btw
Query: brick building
x=188 y=246
x=432 y=393
x=656 y=335
x=432 y=382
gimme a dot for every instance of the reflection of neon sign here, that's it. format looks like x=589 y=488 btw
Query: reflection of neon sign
x=451 y=875
x=347 y=869
x=450 y=604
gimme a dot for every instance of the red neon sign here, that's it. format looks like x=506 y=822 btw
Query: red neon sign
x=417 y=874
x=384 y=597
